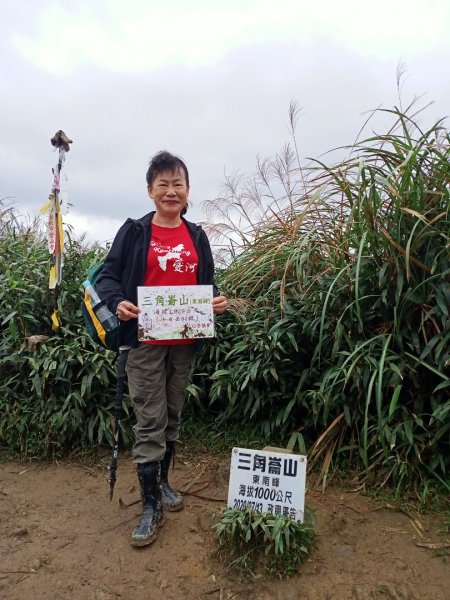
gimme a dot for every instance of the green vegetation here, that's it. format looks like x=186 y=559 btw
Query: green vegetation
x=246 y=539
x=203 y=432
x=55 y=391
x=337 y=341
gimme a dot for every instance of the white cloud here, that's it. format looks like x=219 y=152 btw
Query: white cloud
x=97 y=228
x=137 y=36
x=251 y=59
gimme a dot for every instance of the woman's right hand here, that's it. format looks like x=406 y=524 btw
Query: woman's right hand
x=127 y=310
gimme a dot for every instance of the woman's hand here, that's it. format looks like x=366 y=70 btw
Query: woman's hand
x=127 y=311
x=220 y=304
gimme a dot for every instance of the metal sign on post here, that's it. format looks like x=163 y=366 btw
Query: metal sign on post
x=268 y=482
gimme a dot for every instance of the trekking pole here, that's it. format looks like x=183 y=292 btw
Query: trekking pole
x=117 y=412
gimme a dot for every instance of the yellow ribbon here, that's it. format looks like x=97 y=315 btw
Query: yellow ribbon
x=55 y=320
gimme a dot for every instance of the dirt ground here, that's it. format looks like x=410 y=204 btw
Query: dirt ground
x=61 y=538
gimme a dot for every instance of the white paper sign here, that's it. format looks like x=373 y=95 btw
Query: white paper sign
x=268 y=482
x=175 y=312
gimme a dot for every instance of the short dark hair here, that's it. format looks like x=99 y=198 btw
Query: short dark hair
x=164 y=161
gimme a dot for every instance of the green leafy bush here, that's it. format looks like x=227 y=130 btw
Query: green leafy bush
x=247 y=539
x=56 y=390
x=339 y=336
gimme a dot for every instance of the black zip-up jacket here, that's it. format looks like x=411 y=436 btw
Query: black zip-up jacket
x=126 y=263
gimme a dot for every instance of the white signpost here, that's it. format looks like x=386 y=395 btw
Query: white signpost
x=175 y=312
x=268 y=482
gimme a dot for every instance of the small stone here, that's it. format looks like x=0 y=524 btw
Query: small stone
x=102 y=593
x=343 y=550
x=163 y=584
x=35 y=564
x=204 y=521
x=196 y=539
x=360 y=593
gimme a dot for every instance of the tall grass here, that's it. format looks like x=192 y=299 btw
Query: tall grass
x=55 y=385
x=340 y=339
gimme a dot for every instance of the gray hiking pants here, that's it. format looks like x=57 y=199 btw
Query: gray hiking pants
x=157 y=380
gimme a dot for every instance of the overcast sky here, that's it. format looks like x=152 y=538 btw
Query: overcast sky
x=208 y=80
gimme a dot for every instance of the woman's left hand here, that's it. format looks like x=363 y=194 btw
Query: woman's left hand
x=220 y=304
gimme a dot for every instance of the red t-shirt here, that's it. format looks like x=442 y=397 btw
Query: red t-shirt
x=172 y=260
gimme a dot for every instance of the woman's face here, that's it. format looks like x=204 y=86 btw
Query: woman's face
x=169 y=191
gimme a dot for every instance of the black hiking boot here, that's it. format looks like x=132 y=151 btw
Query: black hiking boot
x=152 y=517
x=172 y=499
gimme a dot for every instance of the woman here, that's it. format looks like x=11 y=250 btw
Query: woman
x=161 y=248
